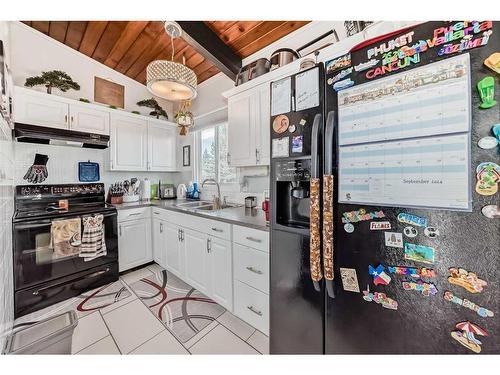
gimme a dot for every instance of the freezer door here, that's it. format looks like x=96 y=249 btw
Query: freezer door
x=296 y=319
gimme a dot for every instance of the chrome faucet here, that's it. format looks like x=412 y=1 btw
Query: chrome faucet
x=216 y=201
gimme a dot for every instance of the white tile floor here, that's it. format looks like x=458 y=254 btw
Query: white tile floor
x=130 y=327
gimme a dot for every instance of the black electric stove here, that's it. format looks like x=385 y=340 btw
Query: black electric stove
x=43 y=277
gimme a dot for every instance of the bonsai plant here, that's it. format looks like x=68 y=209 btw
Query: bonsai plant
x=55 y=78
x=157 y=109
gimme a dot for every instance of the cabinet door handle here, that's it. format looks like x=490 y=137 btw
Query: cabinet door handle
x=209 y=245
x=156 y=213
x=253 y=239
x=66 y=119
x=217 y=230
x=252 y=309
x=179 y=234
x=71 y=119
x=228 y=158
x=251 y=269
x=134 y=214
x=120 y=230
x=182 y=235
x=161 y=227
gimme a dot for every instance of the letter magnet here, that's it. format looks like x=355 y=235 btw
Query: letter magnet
x=466 y=333
x=467 y=280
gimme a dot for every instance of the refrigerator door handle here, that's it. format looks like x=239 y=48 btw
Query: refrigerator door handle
x=314 y=209
x=328 y=214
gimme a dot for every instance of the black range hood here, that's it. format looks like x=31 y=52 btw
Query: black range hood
x=41 y=134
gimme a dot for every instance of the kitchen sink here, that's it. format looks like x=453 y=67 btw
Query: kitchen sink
x=204 y=206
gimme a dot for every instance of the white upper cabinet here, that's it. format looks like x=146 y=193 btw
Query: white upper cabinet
x=84 y=118
x=35 y=108
x=161 y=146
x=248 y=127
x=262 y=128
x=240 y=130
x=128 y=143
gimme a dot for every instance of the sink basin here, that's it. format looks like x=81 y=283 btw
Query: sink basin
x=204 y=206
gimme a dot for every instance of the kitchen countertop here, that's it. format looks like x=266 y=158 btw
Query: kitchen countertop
x=252 y=218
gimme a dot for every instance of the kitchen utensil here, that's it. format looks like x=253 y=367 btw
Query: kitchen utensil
x=88 y=171
x=181 y=191
x=283 y=56
x=251 y=201
x=167 y=191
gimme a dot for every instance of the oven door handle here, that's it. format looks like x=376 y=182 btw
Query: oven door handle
x=94 y=274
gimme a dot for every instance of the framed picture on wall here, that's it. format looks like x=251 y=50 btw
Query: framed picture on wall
x=186 y=156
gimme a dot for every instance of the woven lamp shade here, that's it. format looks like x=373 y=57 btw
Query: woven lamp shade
x=170 y=80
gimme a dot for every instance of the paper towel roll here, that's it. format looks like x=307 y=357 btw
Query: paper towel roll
x=146 y=190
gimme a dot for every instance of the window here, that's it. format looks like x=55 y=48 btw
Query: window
x=212 y=155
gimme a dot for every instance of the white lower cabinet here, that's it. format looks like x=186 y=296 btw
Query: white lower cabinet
x=175 y=251
x=195 y=246
x=220 y=271
x=134 y=243
x=252 y=306
x=159 y=242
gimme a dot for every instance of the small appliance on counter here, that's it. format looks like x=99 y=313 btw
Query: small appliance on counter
x=166 y=191
x=181 y=191
x=251 y=201
x=266 y=205
x=282 y=57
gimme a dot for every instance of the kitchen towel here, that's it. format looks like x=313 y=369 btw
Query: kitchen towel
x=93 y=239
x=65 y=236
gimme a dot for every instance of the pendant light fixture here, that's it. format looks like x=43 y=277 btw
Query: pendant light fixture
x=168 y=79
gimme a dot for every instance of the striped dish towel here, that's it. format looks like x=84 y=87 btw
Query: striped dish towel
x=93 y=239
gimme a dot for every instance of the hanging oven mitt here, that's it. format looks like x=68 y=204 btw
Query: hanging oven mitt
x=37 y=173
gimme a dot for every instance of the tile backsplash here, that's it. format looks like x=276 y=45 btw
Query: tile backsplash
x=63 y=165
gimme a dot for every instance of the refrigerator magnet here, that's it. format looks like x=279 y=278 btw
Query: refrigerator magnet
x=280 y=124
x=380 y=225
x=380 y=298
x=302 y=122
x=344 y=84
x=466 y=333
x=413 y=272
x=393 y=239
x=349 y=228
x=418 y=221
x=467 y=280
x=410 y=232
x=297 y=143
x=486 y=88
x=491 y=211
x=349 y=279
x=481 y=311
x=292 y=128
x=426 y=289
x=488 y=176
x=431 y=232
x=379 y=275
x=280 y=147
x=341 y=62
x=419 y=253
x=493 y=62
x=487 y=143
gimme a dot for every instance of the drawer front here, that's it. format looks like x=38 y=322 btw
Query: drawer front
x=252 y=267
x=134 y=213
x=252 y=306
x=162 y=214
x=214 y=228
x=257 y=239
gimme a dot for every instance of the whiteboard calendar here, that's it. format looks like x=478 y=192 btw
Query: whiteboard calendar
x=404 y=140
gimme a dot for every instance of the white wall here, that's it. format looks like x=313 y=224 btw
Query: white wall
x=34 y=52
x=63 y=165
x=6 y=211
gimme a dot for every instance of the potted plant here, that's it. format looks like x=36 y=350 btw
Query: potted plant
x=184 y=119
x=54 y=78
x=157 y=109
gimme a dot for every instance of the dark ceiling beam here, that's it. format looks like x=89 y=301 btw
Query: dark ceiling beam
x=209 y=45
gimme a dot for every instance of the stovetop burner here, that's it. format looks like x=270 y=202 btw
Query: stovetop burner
x=49 y=201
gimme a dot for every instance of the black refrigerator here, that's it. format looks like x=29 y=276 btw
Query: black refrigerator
x=385 y=229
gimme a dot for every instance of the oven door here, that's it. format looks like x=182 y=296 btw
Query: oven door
x=36 y=260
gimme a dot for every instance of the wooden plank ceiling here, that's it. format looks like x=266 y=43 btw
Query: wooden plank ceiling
x=129 y=46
